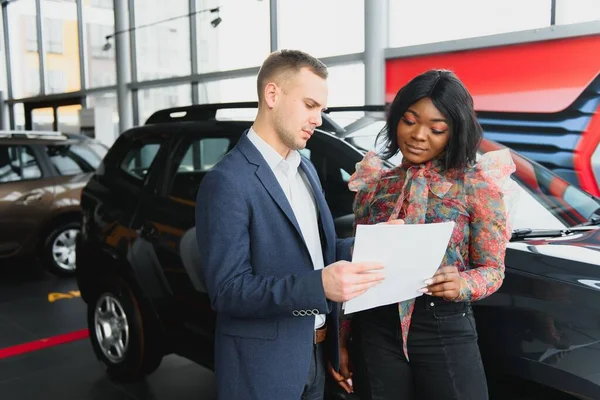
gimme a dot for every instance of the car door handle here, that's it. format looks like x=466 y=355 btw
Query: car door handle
x=31 y=197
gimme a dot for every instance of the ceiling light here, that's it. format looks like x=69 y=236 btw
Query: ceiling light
x=215 y=22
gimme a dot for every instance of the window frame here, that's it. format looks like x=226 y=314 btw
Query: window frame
x=180 y=149
x=35 y=156
x=139 y=143
x=188 y=133
x=89 y=167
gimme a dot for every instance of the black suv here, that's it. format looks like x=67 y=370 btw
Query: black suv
x=41 y=177
x=138 y=263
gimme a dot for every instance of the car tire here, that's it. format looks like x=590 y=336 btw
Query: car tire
x=58 y=251
x=123 y=336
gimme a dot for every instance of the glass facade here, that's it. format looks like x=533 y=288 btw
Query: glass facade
x=61 y=46
x=241 y=38
x=98 y=22
x=162 y=49
x=209 y=50
x=320 y=28
x=430 y=21
x=25 y=58
x=154 y=99
x=574 y=11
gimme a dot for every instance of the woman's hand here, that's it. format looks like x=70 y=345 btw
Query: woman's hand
x=344 y=377
x=392 y=222
x=446 y=283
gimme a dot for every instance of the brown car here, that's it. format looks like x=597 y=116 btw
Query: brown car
x=41 y=177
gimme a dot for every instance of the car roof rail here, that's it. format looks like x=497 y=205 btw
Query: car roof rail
x=361 y=122
x=205 y=112
x=15 y=134
x=365 y=108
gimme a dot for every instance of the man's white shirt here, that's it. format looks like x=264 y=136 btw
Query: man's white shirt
x=299 y=194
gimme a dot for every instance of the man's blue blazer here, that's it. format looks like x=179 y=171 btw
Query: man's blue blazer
x=260 y=277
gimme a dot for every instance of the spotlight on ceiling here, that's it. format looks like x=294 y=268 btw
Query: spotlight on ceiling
x=215 y=22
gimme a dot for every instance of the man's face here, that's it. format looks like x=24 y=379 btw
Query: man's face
x=297 y=108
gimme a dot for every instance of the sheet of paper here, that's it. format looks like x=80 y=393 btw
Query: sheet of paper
x=410 y=255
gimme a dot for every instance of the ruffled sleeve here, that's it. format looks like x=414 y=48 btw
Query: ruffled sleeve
x=496 y=167
x=364 y=182
x=487 y=187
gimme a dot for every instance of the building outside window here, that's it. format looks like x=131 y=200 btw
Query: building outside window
x=97 y=39
x=99 y=23
x=53 y=35
x=102 y=3
x=56 y=81
x=30 y=33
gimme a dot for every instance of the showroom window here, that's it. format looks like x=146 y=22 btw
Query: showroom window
x=240 y=40
x=328 y=27
x=24 y=56
x=102 y=3
x=107 y=102
x=97 y=39
x=346 y=85
x=229 y=90
x=162 y=48
x=460 y=19
x=31 y=33
x=56 y=81
x=154 y=99
x=574 y=11
x=3 y=77
x=53 y=35
x=100 y=22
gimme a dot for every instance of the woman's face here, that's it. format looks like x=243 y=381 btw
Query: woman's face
x=422 y=132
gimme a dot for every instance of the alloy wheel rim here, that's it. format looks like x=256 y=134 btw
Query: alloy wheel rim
x=63 y=249
x=112 y=328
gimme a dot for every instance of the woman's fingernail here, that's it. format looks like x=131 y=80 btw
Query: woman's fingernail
x=423 y=290
x=428 y=281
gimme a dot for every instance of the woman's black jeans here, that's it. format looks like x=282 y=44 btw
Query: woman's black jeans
x=445 y=362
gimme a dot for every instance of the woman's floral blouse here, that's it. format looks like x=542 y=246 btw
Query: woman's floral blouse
x=427 y=194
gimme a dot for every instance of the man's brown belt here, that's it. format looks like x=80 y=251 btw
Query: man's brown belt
x=320 y=334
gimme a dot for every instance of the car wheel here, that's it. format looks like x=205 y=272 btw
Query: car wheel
x=123 y=339
x=58 y=252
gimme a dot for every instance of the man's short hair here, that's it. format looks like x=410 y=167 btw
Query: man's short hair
x=281 y=65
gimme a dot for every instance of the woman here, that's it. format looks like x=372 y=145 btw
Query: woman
x=426 y=348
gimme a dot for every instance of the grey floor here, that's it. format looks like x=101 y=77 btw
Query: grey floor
x=71 y=371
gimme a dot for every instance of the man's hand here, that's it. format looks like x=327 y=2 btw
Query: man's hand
x=446 y=283
x=343 y=280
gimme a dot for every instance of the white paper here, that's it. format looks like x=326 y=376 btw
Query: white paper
x=410 y=254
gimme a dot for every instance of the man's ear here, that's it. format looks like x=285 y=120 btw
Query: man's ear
x=271 y=93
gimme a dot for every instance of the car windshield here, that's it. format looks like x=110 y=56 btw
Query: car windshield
x=98 y=148
x=544 y=201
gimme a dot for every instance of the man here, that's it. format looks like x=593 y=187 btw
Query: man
x=265 y=234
